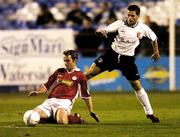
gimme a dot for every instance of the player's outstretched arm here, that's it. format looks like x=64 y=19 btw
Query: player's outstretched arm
x=101 y=32
x=32 y=93
x=155 y=56
x=40 y=90
x=90 y=107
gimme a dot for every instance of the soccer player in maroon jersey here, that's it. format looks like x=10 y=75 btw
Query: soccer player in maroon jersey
x=69 y=83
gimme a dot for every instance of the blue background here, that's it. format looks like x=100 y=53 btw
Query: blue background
x=105 y=83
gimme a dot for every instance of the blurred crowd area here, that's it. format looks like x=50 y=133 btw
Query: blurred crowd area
x=85 y=16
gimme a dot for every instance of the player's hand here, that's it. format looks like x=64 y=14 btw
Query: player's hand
x=33 y=93
x=155 y=57
x=93 y=115
x=101 y=32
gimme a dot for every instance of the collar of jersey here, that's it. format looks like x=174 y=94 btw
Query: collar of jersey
x=75 y=69
x=132 y=26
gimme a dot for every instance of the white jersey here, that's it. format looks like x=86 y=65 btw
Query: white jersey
x=128 y=38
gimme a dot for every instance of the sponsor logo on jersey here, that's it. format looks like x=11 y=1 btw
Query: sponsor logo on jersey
x=67 y=83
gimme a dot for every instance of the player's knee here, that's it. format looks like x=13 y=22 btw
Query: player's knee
x=61 y=116
x=42 y=114
x=62 y=120
x=136 y=85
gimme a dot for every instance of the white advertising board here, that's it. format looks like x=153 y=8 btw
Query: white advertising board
x=28 y=57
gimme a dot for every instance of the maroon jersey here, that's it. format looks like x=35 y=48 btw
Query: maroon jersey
x=67 y=85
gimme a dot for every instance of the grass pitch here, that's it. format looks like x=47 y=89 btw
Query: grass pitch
x=121 y=115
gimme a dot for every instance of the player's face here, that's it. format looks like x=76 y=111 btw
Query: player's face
x=69 y=63
x=132 y=17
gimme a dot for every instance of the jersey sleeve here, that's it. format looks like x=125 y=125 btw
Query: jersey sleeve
x=51 y=80
x=149 y=33
x=84 y=90
x=113 y=27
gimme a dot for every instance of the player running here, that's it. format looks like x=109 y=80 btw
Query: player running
x=121 y=54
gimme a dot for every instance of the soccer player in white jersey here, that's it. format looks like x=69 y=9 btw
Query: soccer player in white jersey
x=121 y=54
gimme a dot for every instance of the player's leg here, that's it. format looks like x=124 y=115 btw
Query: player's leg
x=142 y=96
x=102 y=63
x=92 y=71
x=144 y=100
x=44 y=110
x=61 y=112
x=130 y=71
x=42 y=114
x=61 y=116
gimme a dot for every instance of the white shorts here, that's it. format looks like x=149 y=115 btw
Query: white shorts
x=51 y=105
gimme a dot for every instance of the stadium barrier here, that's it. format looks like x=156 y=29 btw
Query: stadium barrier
x=28 y=57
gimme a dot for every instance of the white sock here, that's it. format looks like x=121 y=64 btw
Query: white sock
x=143 y=98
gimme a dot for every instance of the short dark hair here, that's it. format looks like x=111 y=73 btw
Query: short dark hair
x=134 y=8
x=87 y=18
x=73 y=53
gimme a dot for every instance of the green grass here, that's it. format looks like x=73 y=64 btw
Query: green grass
x=121 y=115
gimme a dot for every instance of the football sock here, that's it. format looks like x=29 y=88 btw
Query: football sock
x=143 y=98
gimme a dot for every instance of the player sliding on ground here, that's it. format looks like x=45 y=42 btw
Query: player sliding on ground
x=69 y=83
x=121 y=54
